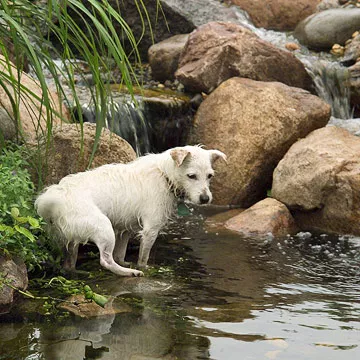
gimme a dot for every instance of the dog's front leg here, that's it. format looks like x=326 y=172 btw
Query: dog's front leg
x=71 y=254
x=148 y=237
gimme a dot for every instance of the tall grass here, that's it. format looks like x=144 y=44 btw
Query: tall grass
x=29 y=28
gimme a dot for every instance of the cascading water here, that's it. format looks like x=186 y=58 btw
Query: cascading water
x=125 y=119
x=329 y=76
x=330 y=80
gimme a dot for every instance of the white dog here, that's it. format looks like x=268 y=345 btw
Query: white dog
x=104 y=204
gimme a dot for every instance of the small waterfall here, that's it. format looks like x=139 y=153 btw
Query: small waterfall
x=331 y=81
x=125 y=119
x=330 y=78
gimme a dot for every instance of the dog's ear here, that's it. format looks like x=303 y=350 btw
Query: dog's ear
x=216 y=154
x=179 y=155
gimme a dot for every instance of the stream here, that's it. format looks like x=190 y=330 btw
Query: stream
x=226 y=297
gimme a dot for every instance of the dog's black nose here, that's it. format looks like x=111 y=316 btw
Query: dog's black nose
x=204 y=199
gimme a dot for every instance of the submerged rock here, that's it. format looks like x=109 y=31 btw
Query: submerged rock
x=254 y=123
x=79 y=306
x=319 y=179
x=218 y=51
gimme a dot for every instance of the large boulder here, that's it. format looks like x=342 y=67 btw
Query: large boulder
x=164 y=57
x=70 y=151
x=319 y=179
x=277 y=14
x=218 y=51
x=254 y=123
x=268 y=216
x=32 y=113
x=334 y=26
x=13 y=272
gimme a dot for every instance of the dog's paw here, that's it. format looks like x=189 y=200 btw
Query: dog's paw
x=137 y=273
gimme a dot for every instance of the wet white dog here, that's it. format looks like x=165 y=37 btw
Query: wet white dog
x=105 y=204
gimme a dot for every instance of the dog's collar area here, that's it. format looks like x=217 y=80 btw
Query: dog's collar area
x=178 y=193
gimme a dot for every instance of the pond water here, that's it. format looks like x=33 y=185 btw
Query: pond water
x=219 y=296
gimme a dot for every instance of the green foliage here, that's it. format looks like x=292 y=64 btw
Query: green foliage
x=20 y=228
x=17 y=189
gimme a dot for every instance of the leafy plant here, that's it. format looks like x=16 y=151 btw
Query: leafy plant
x=20 y=228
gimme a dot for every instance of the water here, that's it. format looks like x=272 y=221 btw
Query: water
x=126 y=119
x=227 y=297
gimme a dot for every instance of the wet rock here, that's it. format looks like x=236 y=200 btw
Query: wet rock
x=354 y=83
x=277 y=14
x=328 y=4
x=324 y=29
x=14 y=272
x=319 y=177
x=217 y=222
x=292 y=46
x=254 y=123
x=164 y=57
x=352 y=50
x=351 y=125
x=79 y=306
x=218 y=51
x=64 y=156
x=31 y=111
x=266 y=216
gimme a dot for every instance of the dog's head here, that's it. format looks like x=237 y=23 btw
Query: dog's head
x=193 y=171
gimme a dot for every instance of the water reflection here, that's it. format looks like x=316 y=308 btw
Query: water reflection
x=228 y=298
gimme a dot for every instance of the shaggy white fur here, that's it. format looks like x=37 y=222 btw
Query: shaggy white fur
x=105 y=204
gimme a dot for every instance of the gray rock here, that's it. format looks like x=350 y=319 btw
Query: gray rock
x=164 y=57
x=13 y=271
x=324 y=29
x=7 y=125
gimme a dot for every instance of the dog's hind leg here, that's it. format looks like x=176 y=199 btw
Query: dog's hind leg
x=104 y=238
x=122 y=239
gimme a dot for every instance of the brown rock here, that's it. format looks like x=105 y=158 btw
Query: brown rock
x=218 y=51
x=216 y=222
x=320 y=177
x=254 y=123
x=32 y=113
x=65 y=157
x=292 y=46
x=277 y=14
x=78 y=306
x=266 y=216
x=164 y=57
x=13 y=271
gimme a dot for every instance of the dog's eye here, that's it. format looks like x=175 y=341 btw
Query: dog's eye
x=210 y=176
x=192 y=176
